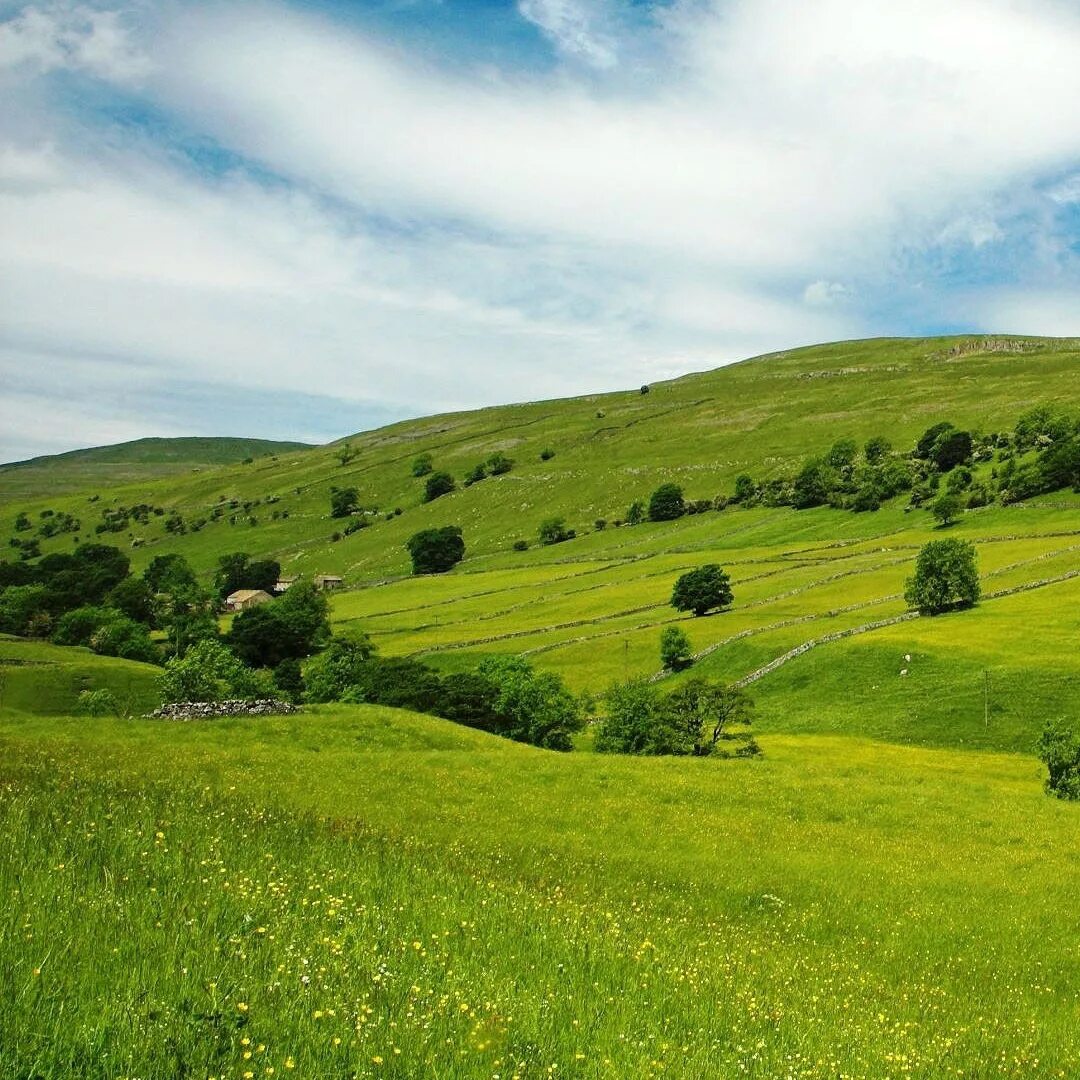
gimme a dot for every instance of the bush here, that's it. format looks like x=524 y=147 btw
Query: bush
x=422 y=465
x=634 y=721
x=331 y=674
x=699 y=590
x=945 y=508
x=877 y=450
x=952 y=448
x=396 y=682
x=475 y=475
x=1059 y=751
x=945 y=578
x=97 y=703
x=471 y=699
x=124 y=637
x=547 y=454
x=434 y=551
x=293 y=626
x=636 y=514
x=535 y=708
x=745 y=489
x=344 y=502
x=521 y=545
x=666 y=503
x=438 y=484
x=499 y=463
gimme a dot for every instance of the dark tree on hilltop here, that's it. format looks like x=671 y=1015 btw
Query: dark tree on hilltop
x=945 y=577
x=666 y=503
x=439 y=483
x=699 y=590
x=434 y=551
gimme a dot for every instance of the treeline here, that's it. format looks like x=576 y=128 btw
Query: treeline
x=1040 y=455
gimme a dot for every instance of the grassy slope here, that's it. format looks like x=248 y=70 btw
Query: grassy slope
x=466 y=907
x=125 y=463
x=592 y=609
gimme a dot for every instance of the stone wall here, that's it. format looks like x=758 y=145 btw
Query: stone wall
x=208 y=710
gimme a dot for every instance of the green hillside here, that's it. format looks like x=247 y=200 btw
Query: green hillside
x=886 y=893
x=139 y=460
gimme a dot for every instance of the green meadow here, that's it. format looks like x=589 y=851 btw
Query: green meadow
x=887 y=892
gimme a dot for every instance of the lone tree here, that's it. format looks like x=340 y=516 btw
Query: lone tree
x=666 y=503
x=945 y=578
x=438 y=483
x=699 y=590
x=674 y=649
x=554 y=531
x=435 y=551
x=344 y=502
x=945 y=509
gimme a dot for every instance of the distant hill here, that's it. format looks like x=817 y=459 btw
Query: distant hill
x=128 y=461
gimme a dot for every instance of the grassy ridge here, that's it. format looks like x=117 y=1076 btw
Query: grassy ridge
x=374 y=893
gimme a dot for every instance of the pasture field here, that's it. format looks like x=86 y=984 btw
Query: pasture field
x=365 y=892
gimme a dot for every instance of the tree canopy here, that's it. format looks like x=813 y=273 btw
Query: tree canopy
x=702 y=589
x=945 y=578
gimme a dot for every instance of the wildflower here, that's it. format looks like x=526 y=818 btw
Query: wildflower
x=242 y=1006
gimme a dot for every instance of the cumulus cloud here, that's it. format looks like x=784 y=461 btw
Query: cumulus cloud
x=317 y=206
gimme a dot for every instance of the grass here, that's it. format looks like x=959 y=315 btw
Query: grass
x=446 y=904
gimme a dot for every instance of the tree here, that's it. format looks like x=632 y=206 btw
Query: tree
x=554 y=531
x=77 y=626
x=635 y=721
x=397 y=682
x=499 y=463
x=666 y=503
x=636 y=514
x=877 y=450
x=745 y=489
x=1059 y=750
x=469 y=698
x=538 y=708
x=813 y=485
x=294 y=626
x=207 y=672
x=132 y=596
x=168 y=573
x=123 y=637
x=702 y=712
x=344 y=502
x=675 y=652
x=434 y=551
x=929 y=438
x=345 y=453
x=338 y=668
x=237 y=571
x=19 y=604
x=952 y=448
x=945 y=508
x=438 y=484
x=475 y=475
x=842 y=454
x=422 y=465
x=945 y=577
x=699 y=590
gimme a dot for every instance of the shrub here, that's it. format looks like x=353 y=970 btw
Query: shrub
x=745 y=489
x=124 y=637
x=78 y=626
x=396 y=682
x=945 y=508
x=952 y=448
x=499 y=463
x=97 y=703
x=600 y=524
x=547 y=454
x=329 y=675
x=344 y=502
x=636 y=514
x=422 y=465
x=634 y=721
x=945 y=577
x=521 y=545
x=471 y=699
x=877 y=449
x=434 y=551
x=699 y=590
x=438 y=484
x=1059 y=751
x=475 y=475
x=666 y=503
x=536 y=708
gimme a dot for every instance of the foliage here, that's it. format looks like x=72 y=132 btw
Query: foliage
x=702 y=712
x=945 y=509
x=1059 y=751
x=123 y=637
x=169 y=573
x=132 y=596
x=745 y=489
x=329 y=675
x=499 y=463
x=345 y=453
x=438 y=484
x=434 y=551
x=293 y=626
x=19 y=604
x=666 y=503
x=877 y=449
x=237 y=571
x=397 y=682
x=537 y=707
x=702 y=589
x=77 y=626
x=945 y=577
x=344 y=502
x=475 y=474
x=97 y=703
x=554 y=531
x=951 y=448
x=675 y=650
x=469 y=698
x=208 y=671
x=635 y=515
x=547 y=454
x=288 y=679
x=422 y=465
x=634 y=721
x=813 y=485
x=842 y=454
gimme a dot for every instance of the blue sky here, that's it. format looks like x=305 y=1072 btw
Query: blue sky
x=301 y=220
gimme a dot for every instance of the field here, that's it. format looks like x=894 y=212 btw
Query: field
x=364 y=892
x=887 y=892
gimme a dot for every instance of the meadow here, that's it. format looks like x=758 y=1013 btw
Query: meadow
x=364 y=892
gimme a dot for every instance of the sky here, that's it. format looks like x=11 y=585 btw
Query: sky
x=304 y=220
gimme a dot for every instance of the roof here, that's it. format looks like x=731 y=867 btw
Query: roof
x=327 y=577
x=241 y=595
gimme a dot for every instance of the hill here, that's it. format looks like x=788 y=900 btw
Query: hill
x=138 y=460
x=592 y=608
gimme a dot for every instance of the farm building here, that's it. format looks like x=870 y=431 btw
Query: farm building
x=243 y=599
x=327 y=581
x=283 y=583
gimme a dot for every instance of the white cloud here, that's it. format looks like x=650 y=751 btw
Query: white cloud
x=64 y=35
x=573 y=27
x=437 y=238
